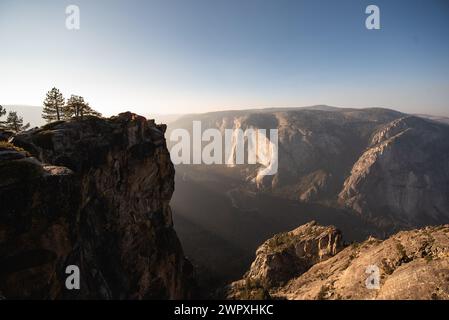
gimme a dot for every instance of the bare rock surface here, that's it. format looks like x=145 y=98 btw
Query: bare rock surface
x=402 y=179
x=92 y=193
x=288 y=255
x=408 y=265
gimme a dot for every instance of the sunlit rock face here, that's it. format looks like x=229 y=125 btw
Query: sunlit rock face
x=92 y=193
x=387 y=167
x=403 y=176
x=316 y=147
x=289 y=254
x=407 y=266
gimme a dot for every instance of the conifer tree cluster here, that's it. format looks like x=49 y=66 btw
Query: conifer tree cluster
x=13 y=121
x=55 y=107
x=76 y=107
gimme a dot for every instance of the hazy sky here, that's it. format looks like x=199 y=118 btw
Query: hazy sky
x=181 y=56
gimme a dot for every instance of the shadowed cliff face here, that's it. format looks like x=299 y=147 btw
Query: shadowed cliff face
x=93 y=193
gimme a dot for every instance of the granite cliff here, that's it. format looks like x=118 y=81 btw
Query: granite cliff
x=402 y=177
x=92 y=193
x=389 y=168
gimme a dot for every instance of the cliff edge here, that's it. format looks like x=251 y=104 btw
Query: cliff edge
x=93 y=193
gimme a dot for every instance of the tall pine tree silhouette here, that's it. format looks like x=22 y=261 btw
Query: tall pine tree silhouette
x=53 y=106
x=2 y=113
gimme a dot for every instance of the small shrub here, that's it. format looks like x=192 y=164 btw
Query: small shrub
x=322 y=295
x=9 y=146
x=280 y=241
x=386 y=267
x=254 y=290
x=401 y=249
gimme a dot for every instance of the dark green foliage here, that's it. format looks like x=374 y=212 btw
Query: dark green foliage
x=280 y=241
x=55 y=109
x=386 y=267
x=53 y=105
x=2 y=111
x=254 y=290
x=76 y=107
x=404 y=257
x=14 y=122
x=401 y=249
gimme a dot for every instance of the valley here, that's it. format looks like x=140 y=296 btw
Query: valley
x=369 y=172
x=220 y=233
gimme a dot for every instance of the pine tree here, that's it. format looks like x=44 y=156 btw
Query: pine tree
x=76 y=107
x=2 y=113
x=15 y=123
x=53 y=106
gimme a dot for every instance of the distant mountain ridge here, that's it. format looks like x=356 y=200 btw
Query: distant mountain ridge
x=326 y=156
x=33 y=114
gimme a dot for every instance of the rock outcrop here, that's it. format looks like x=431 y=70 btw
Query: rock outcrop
x=92 y=193
x=408 y=265
x=288 y=255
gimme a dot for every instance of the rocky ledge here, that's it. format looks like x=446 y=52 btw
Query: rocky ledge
x=93 y=193
x=286 y=256
x=408 y=265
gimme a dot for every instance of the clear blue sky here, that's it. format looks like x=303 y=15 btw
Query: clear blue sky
x=180 y=56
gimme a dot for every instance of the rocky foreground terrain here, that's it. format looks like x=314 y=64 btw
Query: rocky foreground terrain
x=93 y=193
x=311 y=262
